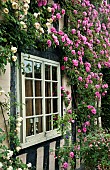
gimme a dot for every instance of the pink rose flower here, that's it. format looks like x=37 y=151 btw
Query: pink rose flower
x=80 y=78
x=84 y=129
x=93 y=111
x=63 y=68
x=71 y=154
x=63 y=11
x=49 y=43
x=65 y=58
x=58 y=16
x=75 y=62
x=65 y=165
x=79 y=130
x=73 y=52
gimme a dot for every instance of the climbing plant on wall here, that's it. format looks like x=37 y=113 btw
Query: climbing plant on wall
x=85 y=47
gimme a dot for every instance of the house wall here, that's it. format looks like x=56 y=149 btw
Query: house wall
x=5 y=85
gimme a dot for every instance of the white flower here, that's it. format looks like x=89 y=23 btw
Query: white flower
x=36 y=14
x=50 y=20
x=18 y=124
x=1 y=164
x=19 y=169
x=48 y=24
x=19 y=119
x=49 y=9
x=41 y=30
x=5 y=10
x=10 y=168
x=9 y=154
x=29 y=165
x=23 y=25
x=26 y=6
x=17 y=129
x=18 y=148
x=14 y=58
x=37 y=25
x=26 y=1
x=15 y=5
x=13 y=49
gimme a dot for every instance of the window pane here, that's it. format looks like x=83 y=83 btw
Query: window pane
x=47 y=106
x=47 y=72
x=29 y=127
x=47 y=89
x=28 y=68
x=38 y=106
x=39 y=124
x=54 y=89
x=48 y=123
x=29 y=107
x=55 y=123
x=37 y=70
x=28 y=88
x=38 y=89
x=55 y=105
x=54 y=73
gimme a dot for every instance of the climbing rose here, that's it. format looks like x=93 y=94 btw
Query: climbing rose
x=65 y=165
x=80 y=78
x=84 y=129
x=71 y=154
x=75 y=62
x=49 y=43
x=65 y=58
x=93 y=111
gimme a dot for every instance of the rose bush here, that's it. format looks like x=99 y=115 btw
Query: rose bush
x=85 y=48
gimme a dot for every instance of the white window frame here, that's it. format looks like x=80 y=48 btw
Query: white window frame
x=45 y=135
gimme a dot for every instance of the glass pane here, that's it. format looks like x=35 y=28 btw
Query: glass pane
x=39 y=125
x=48 y=123
x=55 y=105
x=37 y=70
x=55 y=121
x=47 y=72
x=54 y=73
x=54 y=89
x=38 y=106
x=28 y=68
x=38 y=89
x=47 y=89
x=29 y=127
x=29 y=107
x=47 y=106
x=28 y=88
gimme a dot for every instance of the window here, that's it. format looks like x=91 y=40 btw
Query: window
x=41 y=98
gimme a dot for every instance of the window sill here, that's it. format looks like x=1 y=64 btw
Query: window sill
x=34 y=140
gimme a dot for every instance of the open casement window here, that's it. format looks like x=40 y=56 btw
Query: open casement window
x=41 y=98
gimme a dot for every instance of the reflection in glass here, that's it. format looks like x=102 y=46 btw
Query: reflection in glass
x=38 y=106
x=29 y=107
x=28 y=88
x=47 y=72
x=54 y=89
x=30 y=127
x=47 y=106
x=38 y=89
x=37 y=70
x=54 y=73
x=48 y=123
x=55 y=122
x=47 y=89
x=55 y=105
x=28 y=68
x=39 y=125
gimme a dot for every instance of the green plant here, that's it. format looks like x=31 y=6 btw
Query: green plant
x=95 y=150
